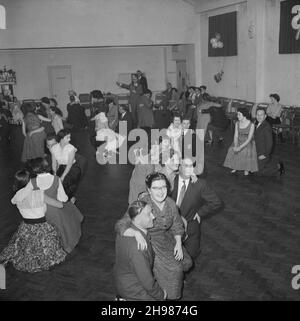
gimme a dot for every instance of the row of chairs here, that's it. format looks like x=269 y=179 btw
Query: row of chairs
x=290 y=117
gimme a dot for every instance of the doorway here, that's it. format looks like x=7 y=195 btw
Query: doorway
x=60 y=82
x=181 y=74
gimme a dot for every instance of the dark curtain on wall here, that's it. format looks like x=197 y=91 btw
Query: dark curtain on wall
x=225 y=25
x=289 y=38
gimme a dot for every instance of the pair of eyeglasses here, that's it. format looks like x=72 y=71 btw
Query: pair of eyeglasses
x=159 y=188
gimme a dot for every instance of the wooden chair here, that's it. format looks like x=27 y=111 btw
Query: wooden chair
x=287 y=123
x=295 y=127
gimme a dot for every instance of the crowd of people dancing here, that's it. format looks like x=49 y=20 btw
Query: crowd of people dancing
x=158 y=238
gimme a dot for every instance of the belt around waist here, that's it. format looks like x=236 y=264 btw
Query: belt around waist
x=34 y=220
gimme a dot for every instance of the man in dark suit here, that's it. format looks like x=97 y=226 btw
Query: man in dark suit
x=125 y=116
x=76 y=115
x=263 y=136
x=133 y=268
x=188 y=144
x=195 y=201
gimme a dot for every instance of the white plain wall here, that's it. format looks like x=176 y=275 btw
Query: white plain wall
x=259 y=69
x=73 y=23
x=96 y=68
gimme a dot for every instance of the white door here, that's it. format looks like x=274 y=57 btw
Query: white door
x=60 y=81
x=181 y=74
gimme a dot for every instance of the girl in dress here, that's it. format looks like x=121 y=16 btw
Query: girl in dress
x=67 y=219
x=64 y=163
x=241 y=154
x=112 y=139
x=36 y=246
x=174 y=132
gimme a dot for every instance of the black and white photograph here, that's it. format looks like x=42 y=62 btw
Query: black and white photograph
x=149 y=151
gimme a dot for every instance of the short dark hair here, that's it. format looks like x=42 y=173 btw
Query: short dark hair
x=54 y=101
x=176 y=115
x=186 y=117
x=61 y=134
x=125 y=107
x=97 y=94
x=51 y=136
x=38 y=166
x=21 y=179
x=244 y=112
x=135 y=208
x=261 y=109
x=109 y=101
x=275 y=96
x=156 y=176
x=45 y=100
x=56 y=110
x=203 y=87
x=148 y=91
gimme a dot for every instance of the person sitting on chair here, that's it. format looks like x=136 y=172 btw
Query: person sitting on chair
x=133 y=268
x=274 y=110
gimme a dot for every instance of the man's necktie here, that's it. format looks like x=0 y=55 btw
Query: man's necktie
x=181 y=195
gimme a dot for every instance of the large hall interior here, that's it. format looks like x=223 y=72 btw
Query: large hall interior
x=72 y=73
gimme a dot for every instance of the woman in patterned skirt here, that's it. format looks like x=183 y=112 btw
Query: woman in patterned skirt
x=67 y=219
x=36 y=246
x=171 y=258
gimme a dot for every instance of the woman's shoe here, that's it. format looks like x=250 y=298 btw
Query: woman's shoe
x=233 y=171
x=246 y=173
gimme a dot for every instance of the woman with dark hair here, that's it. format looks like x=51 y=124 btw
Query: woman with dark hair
x=35 y=136
x=57 y=121
x=241 y=154
x=67 y=219
x=171 y=259
x=64 y=163
x=53 y=102
x=36 y=246
x=274 y=110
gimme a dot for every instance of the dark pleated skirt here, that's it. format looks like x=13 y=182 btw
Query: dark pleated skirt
x=71 y=180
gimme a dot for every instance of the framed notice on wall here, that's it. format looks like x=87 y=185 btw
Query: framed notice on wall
x=289 y=34
x=222 y=35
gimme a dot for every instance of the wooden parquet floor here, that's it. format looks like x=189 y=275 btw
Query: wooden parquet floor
x=248 y=249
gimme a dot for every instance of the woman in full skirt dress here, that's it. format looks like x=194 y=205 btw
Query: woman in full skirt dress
x=241 y=154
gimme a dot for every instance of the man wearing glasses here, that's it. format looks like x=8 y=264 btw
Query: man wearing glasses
x=195 y=201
